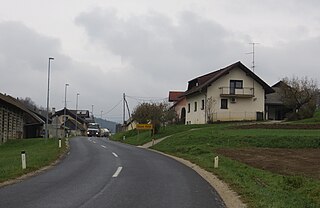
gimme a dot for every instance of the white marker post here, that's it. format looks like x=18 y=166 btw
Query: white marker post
x=216 y=162
x=23 y=160
x=152 y=142
x=59 y=143
x=124 y=138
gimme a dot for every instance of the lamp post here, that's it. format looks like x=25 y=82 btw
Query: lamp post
x=77 y=112
x=65 y=107
x=47 y=116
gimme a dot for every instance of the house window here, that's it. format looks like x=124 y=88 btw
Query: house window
x=224 y=103
x=195 y=106
x=188 y=107
x=235 y=84
x=202 y=104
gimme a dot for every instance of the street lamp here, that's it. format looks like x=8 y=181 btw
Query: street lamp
x=77 y=112
x=47 y=116
x=65 y=105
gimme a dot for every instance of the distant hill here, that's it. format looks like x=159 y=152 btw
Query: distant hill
x=106 y=124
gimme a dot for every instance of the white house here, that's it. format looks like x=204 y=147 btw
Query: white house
x=230 y=94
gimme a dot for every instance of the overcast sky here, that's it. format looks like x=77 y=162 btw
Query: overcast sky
x=144 y=48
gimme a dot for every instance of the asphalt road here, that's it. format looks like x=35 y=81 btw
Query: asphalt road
x=101 y=173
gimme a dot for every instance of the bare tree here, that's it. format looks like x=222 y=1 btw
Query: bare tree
x=299 y=95
x=210 y=109
x=31 y=105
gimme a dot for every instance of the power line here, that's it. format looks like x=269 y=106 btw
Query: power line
x=147 y=99
x=113 y=107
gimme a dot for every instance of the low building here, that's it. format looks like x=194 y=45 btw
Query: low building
x=179 y=105
x=17 y=121
x=275 y=108
x=67 y=122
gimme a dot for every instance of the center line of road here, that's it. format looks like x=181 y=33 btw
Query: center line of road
x=117 y=172
x=103 y=146
x=115 y=154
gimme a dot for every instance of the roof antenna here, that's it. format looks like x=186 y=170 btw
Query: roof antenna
x=253 y=65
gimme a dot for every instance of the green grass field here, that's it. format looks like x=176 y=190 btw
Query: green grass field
x=39 y=153
x=138 y=138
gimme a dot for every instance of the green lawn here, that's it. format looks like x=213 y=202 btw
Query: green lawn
x=39 y=153
x=138 y=138
x=257 y=187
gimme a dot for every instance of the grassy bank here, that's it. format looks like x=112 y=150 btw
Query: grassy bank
x=135 y=137
x=39 y=153
x=258 y=188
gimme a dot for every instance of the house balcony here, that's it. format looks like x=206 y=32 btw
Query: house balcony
x=245 y=92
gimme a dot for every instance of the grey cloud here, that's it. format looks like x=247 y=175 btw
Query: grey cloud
x=156 y=44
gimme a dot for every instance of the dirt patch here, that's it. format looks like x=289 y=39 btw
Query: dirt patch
x=278 y=126
x=284 y=161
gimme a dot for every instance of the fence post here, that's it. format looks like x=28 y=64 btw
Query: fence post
x=23 y=160
x=216 y=162
x=59 y=142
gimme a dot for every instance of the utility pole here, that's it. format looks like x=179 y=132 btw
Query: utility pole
x=65 y=107
x=92 y=111
x=124 y=108
x=77 y=112
x=47 y=115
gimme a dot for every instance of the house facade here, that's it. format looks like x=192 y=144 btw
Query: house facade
x=233 y=93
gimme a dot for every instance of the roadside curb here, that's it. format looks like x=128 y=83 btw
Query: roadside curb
x=39 y=171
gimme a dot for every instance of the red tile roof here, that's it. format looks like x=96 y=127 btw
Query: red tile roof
x=175 y=96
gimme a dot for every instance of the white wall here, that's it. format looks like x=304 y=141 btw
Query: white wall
x=198 y=116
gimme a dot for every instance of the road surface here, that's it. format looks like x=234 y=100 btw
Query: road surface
x=101 y=173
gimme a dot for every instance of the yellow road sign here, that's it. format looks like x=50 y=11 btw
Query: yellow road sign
x=144 y=126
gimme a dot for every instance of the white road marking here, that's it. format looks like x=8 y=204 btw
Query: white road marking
x=117 y=172
x=94 y=141
x=115 y=154
x=103 y=146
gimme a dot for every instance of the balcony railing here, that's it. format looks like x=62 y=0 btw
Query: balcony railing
x=234 y=92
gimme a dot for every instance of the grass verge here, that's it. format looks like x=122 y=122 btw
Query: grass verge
x=39 y=153
x=138 y=138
